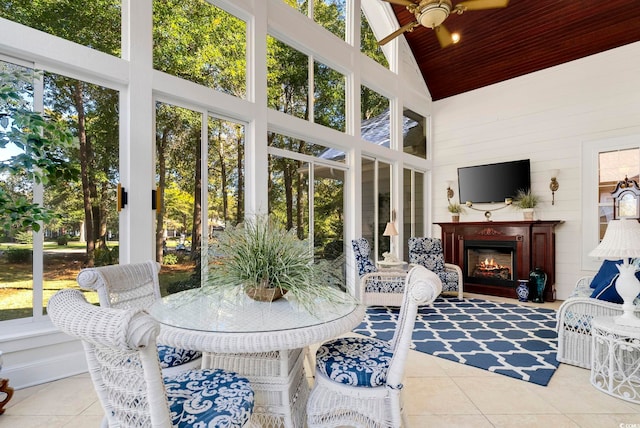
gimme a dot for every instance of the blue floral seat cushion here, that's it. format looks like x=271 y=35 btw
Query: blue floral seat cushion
x=361 y=251
x=209 y=398
x=449 y=280
x=172 y=357
x=355 y=361
x=428 y=252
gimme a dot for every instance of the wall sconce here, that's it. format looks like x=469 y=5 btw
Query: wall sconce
x=449 y=190
x=554 y=185
x=123 y=197
x=156 y=201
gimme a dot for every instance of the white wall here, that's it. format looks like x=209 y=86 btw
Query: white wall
x=547 y=117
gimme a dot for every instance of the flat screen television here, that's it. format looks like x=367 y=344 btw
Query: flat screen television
x=493 y=182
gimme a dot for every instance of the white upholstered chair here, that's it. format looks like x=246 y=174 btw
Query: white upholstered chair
x=136 y=286
x=428 y=252
x=123 y=363
x=358 y=380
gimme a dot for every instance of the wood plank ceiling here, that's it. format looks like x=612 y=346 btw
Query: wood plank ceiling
x=526 y=36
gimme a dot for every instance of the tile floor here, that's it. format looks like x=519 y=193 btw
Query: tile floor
x=439 y=393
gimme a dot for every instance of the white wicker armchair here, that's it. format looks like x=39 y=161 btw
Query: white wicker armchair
x=136 y=286
x=358 y=380
x=574 y=323
x=123 y=363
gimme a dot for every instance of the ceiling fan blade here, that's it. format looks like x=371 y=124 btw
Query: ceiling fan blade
x=407 y=27
x=444 y=36
x=402 y=2
x=481 y=4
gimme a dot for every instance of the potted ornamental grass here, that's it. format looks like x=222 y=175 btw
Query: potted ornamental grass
x=264 y=260
x=455 y=209
x=526 y=201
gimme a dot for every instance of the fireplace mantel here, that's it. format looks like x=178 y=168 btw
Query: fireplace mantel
x=536 y=248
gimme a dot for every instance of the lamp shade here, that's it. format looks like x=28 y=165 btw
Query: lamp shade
x=390 y=230
x=621 y=240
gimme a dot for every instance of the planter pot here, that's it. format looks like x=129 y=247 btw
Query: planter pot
x=263 y=293
x=455 y=218
x=527 y=213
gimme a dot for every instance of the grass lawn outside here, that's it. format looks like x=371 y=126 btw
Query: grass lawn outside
x=61 y=267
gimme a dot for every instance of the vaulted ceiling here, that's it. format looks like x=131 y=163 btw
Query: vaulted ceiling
x=526 y=36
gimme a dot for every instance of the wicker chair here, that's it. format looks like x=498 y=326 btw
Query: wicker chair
x=136 y=286
x=358 y=380
x=574 y=323
x=383 y=288
x=123 y=363
x=428 y=252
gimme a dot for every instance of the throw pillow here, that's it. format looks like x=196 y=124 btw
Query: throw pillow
x=607 y=291
x=606 y=287
x=606 y=273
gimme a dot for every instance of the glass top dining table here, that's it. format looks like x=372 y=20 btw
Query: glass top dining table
x=210 y=320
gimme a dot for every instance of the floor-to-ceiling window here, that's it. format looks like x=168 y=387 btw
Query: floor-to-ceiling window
x=414 y=207
x=306 y=193
x=226 y=175
x=211 y=80
x=377 y=208
x=83 y=228
x=179 y=178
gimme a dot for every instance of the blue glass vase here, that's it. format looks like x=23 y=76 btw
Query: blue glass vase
x=538 y=280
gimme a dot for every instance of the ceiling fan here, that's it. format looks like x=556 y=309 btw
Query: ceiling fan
x=432 y=13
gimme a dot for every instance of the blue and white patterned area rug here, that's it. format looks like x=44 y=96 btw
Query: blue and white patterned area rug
x=506 y=338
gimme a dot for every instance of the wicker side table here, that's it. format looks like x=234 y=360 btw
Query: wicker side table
x=615 y=359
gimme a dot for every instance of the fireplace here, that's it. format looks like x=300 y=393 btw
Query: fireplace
x=490 y=262
x=515 y=247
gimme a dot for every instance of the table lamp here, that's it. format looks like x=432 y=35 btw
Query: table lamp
x=622 y=241
x=390 y=231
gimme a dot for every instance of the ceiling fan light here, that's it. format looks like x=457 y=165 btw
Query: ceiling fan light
x=434 y=14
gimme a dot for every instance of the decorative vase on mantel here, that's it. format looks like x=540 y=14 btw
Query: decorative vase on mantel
x=537 y=280
x=455 y=218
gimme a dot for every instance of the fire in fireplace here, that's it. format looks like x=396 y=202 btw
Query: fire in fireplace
x=490 y=262
x=488 y=268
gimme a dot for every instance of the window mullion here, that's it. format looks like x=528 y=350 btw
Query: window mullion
x=38 y=198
